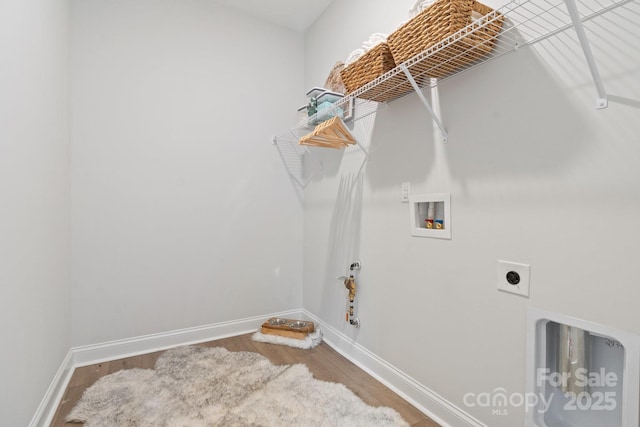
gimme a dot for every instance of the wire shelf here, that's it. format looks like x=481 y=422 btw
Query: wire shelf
x=526 y=22
x=293 y=157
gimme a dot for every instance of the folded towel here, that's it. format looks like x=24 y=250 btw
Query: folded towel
x=374 y=40
x=353 y=56
x=322 y=116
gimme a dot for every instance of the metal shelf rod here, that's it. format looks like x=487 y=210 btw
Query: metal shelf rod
x=602 y=101
x=418 y=91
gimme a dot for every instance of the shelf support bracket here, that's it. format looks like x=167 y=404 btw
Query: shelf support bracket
x=601 y=101
x=418 y=91
x=286 y=160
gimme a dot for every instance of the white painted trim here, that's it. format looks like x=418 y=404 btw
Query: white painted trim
x=113 y=350
x=417 y=222
x=427 y=401
x=97 y=353
x=54 y=394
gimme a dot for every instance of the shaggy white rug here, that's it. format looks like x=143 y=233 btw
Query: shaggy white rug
x=199 y=386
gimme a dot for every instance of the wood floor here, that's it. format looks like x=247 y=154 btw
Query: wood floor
x=324 y=362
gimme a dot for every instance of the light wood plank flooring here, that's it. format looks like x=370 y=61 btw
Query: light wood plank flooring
x=324 y=362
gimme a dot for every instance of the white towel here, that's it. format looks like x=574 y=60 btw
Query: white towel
x=374 y=40
x=353 y=56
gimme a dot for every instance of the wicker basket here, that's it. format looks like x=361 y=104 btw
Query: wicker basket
x=373 y=64
x=435 y=24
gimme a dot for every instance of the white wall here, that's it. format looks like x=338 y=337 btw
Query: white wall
x=182 y=212
x=34 y=211
x=536 y=175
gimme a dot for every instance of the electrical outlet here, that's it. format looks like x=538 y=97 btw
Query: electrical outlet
x=405 y=189
x=513 y=277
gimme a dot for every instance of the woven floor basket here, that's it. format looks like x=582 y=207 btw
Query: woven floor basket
x=435 y=24
x=373 y=64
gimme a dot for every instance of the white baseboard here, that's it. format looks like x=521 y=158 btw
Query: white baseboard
x=436 y=407
x=433 y=405
x=49 y=404
x=97 y=353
